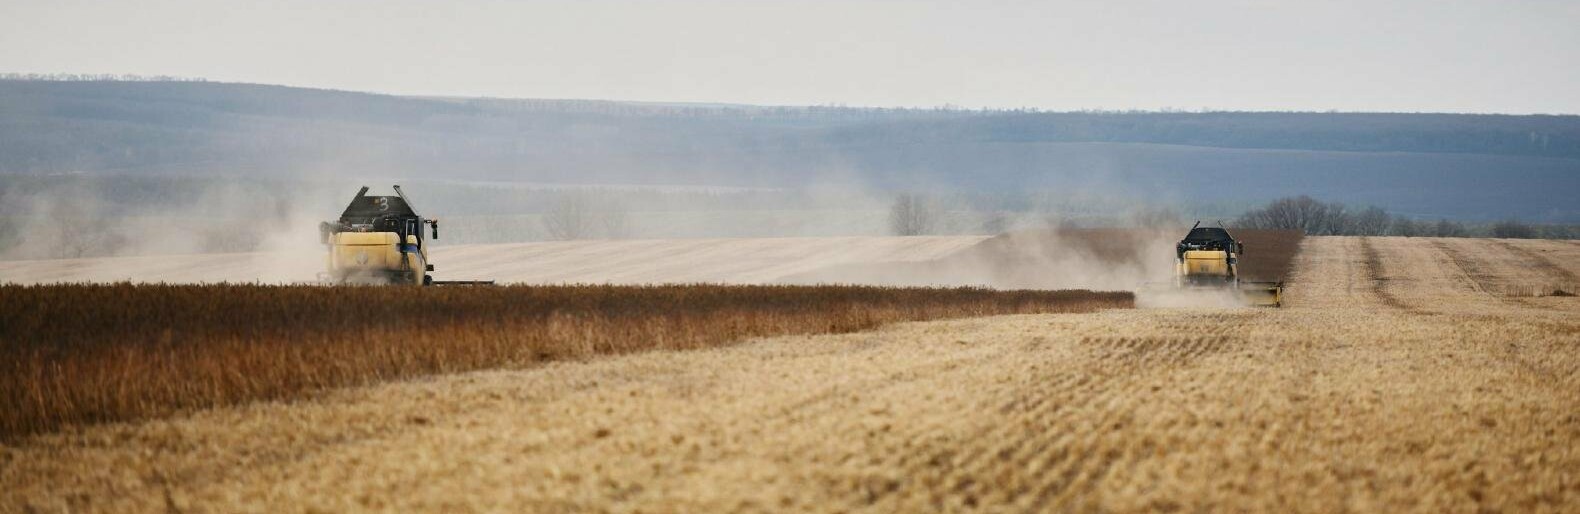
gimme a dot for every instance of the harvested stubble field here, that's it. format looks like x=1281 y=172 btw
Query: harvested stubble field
x=74 y=354
x=1397 y=378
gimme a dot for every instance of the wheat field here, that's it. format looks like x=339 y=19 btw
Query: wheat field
x=1401 y=377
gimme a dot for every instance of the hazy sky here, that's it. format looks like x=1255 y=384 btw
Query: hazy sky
x=1427 y=55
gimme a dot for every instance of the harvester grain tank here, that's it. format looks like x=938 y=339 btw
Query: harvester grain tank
x=379 y=240
x=1209 y=257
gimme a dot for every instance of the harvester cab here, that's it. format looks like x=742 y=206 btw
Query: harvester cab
x=1209 y=257
x=379 y=240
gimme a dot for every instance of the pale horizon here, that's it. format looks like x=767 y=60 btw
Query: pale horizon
x=1415 y=56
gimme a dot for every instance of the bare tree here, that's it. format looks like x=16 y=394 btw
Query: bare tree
x=1317 y=218
x=615 y=221
x=1373 y=221
x=71 y=227
x=569 y=217
x=1336 y=219
x=1445 y=228
x=913 y=215
x=586 y=215
x=1299 y=213
x=1513 y=229
x=1407 y=227
x=1557 y=231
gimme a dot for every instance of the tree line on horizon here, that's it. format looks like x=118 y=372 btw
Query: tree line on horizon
x=112 y=122
x=916 y=214
x=1318 y=218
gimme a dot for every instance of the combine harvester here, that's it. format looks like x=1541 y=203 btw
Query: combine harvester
x=1208 y=260
x=379 y=240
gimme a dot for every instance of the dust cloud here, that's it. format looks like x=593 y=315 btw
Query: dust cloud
x=255 y=231
x=1049 y=258
x=1138 y=259
x=77 y=230
x=1148 y=298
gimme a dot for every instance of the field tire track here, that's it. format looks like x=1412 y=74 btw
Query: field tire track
x=1470 y=271
x=1375 y=272
x=1540 y=262
x=1479 y=278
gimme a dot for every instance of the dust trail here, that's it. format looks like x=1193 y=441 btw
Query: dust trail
x=1192 y=299
x=1099 y=259
x=92 y=229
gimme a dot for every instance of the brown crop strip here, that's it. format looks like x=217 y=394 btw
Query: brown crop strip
x=77 y=354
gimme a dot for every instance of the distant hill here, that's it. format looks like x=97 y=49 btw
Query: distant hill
x=1473 y=167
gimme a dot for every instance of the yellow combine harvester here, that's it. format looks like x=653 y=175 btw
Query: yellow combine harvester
x=1209 y=258
x=380 y=240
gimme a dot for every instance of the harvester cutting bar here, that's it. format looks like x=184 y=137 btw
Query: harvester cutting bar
x=1266 y=294
x=462 y=282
